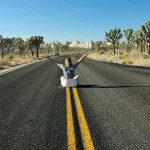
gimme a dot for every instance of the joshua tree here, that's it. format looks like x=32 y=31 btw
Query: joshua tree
x=147 y=24
x=137 y=38
x=97 y=45
x=113 y=36
x=29 y=44
x=142 y=39
x=145 y=29
x=36 y=41
x=5 y=43
x=129 y=36
x=2 y=45
x=68 y=43
x=8 y=43
x=123 y=44
x=21 y=45
x=57 y=46
x=65 y=47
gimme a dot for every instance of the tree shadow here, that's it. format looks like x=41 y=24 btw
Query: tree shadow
x=97 y=86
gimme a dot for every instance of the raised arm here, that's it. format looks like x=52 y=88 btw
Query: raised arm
x=57 y=63
x=81 y=59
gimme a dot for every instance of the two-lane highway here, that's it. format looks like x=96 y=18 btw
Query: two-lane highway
x=109 y=110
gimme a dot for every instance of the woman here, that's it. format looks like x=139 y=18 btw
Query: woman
x=69 y=68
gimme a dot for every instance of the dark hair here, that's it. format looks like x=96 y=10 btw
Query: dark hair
x=69 y=60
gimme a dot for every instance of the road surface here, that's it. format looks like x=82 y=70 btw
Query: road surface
x=109 y=110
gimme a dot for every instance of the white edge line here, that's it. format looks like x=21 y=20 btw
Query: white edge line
x=5 y=71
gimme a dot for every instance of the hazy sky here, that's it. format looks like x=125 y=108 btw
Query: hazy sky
x=64 y=20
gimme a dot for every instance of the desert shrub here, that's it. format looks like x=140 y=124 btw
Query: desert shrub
x=99 y=52
x=4 y=62
x=124 y=56
x=124 y=62
x=145 y=56
x=111 y=61
x=103 y=60
x=121 y=52
x=11 y=57
x=34 y=57
x=130 y=62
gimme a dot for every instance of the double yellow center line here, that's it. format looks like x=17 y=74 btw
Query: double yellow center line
x=86 y=137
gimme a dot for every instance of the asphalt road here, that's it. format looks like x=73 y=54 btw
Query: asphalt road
x=115 y=100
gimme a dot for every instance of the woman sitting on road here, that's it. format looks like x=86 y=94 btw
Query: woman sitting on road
x=69 y=68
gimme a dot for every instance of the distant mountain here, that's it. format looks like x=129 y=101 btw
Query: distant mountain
x=88 y=44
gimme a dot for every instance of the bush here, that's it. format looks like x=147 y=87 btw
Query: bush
x=99 y=52
x=130 y=62
x=103 y=60
x=111 y=61
x=11 y=57
x=124 y=62
x=145 y=56
x=124 y=56
x=4 y=61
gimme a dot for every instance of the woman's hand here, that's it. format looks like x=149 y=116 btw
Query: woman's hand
x=81 y=59
x=87 y=53
x=57 y=63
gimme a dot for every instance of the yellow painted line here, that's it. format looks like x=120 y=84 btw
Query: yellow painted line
x=85 y=133
x=70 y=125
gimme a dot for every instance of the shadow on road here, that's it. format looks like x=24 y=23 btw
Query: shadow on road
x=97 y=86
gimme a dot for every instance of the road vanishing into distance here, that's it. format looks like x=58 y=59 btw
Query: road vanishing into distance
x=109 y=110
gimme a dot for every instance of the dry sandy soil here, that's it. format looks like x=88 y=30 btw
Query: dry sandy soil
x=13 y=60
x=132 y=58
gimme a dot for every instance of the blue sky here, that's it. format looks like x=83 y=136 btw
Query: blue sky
x=64 y=20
